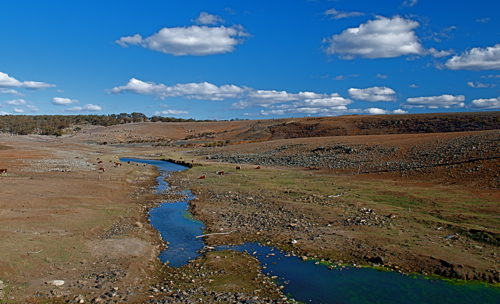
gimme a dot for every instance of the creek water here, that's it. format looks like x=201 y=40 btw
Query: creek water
x=304 y=280
x=175 y=223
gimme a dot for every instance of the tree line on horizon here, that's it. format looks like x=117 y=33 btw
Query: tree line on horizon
x=61 y=124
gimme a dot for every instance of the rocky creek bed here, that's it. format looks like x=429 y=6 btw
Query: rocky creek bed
x=240 y=224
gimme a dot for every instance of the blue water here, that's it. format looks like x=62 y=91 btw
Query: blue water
x=312 y=283
x=303 y=280
x=174 y=221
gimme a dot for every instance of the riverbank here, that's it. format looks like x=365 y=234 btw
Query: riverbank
x=71 y=231
x=368 y=221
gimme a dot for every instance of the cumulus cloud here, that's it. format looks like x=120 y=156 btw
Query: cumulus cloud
x=35 y=85
x=194 y=40
x=378 y=111
x=4 y=113
x=413 y=86
x=15 y=102
x=437 y=54
x=476 y=59
x=13 y=92
x=486 y=104
x=202 y=90
x=382 y=76
x=206 y=18
x=373 y=94
x=480 y=85
x=380 y=38
x=171 y=112
x=293 y=103
x=18 y=110
x=399 y=111
x=434 y=102
x=277 y=101
x=10 y=82
x=86 y=108
x=59 y=101
x=334 y=14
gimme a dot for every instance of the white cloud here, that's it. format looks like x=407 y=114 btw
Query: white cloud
x=202 y=90
x=4 y=113
x=193 y=40
x=87 y=107
x=491 y=103
x=376 y=111
x=380 y=38
x=10 y=82
x=171 y=112
x=483 y=20
x=373 y=94
x=476 y=59
x=382 y=76
x=15 y=102
x=206 y=18
x=18 y=110
x=59 y=101
x=33 y=108
x=437 y=54
x=409 y=2
x=339 y=14
x=13 y=92
x=413 y=86
x=302 y=100
x=490 y=76
x=399 y=111
x=480 y=85
x=434 y=102
x=339 y=77
x=331 y=111
x=444 y=33
x=35 y=85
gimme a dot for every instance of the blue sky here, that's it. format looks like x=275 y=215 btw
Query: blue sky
x=249 y=59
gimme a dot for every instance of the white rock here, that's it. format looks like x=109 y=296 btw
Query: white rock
x=56 y=282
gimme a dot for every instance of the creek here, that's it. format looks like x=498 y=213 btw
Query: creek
x=304 y=280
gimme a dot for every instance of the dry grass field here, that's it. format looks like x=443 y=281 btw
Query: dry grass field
x=424 y=203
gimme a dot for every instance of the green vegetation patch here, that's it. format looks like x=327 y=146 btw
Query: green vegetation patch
x=482 y=236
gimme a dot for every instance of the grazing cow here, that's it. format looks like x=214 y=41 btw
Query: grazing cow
x=99 y=162
x=103 y=170
x=128 y=162
x=181 y=157
x=238 y=168
x=110 y=161
x=98 y=158
x=202 y=177
x=3 y=170
x=220 y=172
x=258 y=167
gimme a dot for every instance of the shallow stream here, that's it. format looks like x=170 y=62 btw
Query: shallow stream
x=304 y=280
